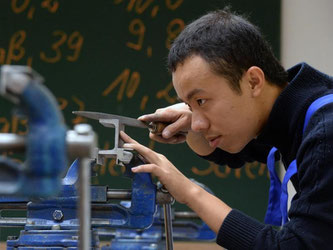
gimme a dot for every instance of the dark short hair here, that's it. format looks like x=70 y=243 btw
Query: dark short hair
x=230 y=44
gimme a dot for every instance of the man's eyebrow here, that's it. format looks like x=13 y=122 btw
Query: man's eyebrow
x=192 y=93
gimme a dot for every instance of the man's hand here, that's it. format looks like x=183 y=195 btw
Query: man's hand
x=178 y=116
x=179 y=186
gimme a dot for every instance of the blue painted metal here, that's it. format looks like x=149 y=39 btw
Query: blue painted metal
x=139 y=215
x=153 y=237
x=42 y=215
x=46 y=143
x=40 y=175
x=48 y=240
x=130 y=240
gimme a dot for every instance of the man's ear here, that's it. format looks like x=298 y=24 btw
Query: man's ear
x=256 y=80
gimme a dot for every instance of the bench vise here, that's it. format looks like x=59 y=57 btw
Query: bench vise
x=46 y=146
x=46 y=139
x=50 y=219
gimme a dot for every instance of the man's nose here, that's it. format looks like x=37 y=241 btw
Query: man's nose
x=199 y=122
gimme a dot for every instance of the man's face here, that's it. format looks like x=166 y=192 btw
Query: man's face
x=226 y=119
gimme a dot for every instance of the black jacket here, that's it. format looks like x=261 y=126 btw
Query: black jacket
x=311 y=211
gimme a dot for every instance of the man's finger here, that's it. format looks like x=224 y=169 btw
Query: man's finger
x=147 y=153
x=158 y=117
x=173 y=129
x=126 y=138
x=146 y=168
x=159 y=138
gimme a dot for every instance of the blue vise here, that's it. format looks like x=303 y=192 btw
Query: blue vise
x=53 y=223
x=153 y=238
x=45 y=161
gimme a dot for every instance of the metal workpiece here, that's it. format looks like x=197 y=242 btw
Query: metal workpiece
x=126 y=121
x=154 y=127
x=118 y=123
x=117 y=152
x=122 y=155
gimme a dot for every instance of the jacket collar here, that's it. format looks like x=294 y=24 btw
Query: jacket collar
x=285 y=122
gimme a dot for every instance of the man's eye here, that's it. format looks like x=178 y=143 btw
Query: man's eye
x=201 y=101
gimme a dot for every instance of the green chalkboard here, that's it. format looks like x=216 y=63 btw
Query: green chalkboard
x=110 y=56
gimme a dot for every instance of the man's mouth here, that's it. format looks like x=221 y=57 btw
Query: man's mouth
x=214 y=141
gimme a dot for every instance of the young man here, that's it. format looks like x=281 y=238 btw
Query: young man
x=239 y=102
